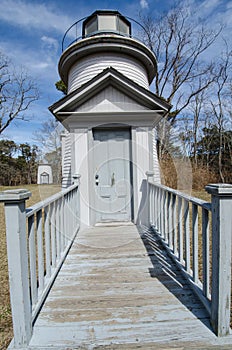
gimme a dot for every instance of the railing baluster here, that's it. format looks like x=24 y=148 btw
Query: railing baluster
x=195 y=241
x=205 y=251
x=155 y=219
x=65 y=218
x=187 y=235
x=169 y=221
x=152 y=198
x=47 y=241
x=57 y=228
x=175 y=247
x=180 y=231
x=68 y=216
x=165 y=224
x=40 y=250
x=53 y=234
x=32 y=260
x=158 y=210
x=62 y=233
x=72 y=214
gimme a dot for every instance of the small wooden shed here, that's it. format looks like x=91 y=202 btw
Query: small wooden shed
x=44 y=175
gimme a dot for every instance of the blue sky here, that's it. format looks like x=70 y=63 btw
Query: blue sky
x=31 y=33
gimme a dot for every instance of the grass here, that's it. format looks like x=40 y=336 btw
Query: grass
x=39 y=192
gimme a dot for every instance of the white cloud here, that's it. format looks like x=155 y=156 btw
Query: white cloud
x=50 y=47
x=144 y=4
x=32 y=15
x=49 y=41
x=211 y=4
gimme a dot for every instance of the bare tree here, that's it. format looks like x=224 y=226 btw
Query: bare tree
x=179 y=43
x=220 y=104
x=17 y=92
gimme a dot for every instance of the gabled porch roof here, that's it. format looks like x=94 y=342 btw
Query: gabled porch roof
x=146 y=104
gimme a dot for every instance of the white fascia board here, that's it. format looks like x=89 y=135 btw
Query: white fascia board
x=115 y=81
x=82 y=92
x=143 y=118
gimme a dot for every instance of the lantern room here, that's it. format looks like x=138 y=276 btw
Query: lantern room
x=106 y=21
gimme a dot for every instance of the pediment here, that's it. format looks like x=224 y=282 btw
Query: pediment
x=110 y=99
x=109 y=92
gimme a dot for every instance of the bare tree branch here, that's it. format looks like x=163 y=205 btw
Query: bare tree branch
x=17 y=92
x=179 y=42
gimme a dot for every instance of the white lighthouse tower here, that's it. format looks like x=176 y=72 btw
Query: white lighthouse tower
x=110 y=116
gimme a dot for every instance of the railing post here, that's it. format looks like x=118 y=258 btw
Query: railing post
x=76 y=179
x=149 y=174
x=15 y=214
x=221 y=256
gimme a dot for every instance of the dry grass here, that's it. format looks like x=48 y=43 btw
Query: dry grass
x=38 y=193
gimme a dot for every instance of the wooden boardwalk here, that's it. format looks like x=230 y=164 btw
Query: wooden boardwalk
x=118 y=289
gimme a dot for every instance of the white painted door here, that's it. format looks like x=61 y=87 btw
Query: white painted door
x=112 y=176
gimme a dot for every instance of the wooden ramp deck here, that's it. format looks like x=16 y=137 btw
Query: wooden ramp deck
x=118 y=289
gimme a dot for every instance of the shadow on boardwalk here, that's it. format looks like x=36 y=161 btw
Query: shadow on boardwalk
x=170 y=276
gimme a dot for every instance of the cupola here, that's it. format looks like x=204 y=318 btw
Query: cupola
x=106 y=21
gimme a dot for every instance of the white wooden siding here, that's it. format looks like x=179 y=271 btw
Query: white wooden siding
x=90 y=66
x=156 y=167
x=66 y=161
x=111 y=100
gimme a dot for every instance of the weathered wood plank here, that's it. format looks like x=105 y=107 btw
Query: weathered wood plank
x=118 y=286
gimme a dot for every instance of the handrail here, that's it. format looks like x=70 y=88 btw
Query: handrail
x=197 y=235
x=79 y=37
x=187 y=197
x=31 y=210
x=38 y=240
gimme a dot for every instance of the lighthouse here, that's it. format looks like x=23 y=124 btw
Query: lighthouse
x=110 y=116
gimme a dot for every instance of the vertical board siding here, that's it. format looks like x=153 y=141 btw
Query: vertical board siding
x=111 y=99
x=66 y=161
x=156 y=167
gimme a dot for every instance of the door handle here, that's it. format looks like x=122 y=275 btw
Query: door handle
x=96 y=179
x=112 y=180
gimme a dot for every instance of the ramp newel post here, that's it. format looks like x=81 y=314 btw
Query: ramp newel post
x=76 y=179
x=150 y=175
x=221 y=195
x=15 y=215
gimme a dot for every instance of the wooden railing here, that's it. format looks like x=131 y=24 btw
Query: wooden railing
x=197 y=235
x=38 y=240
